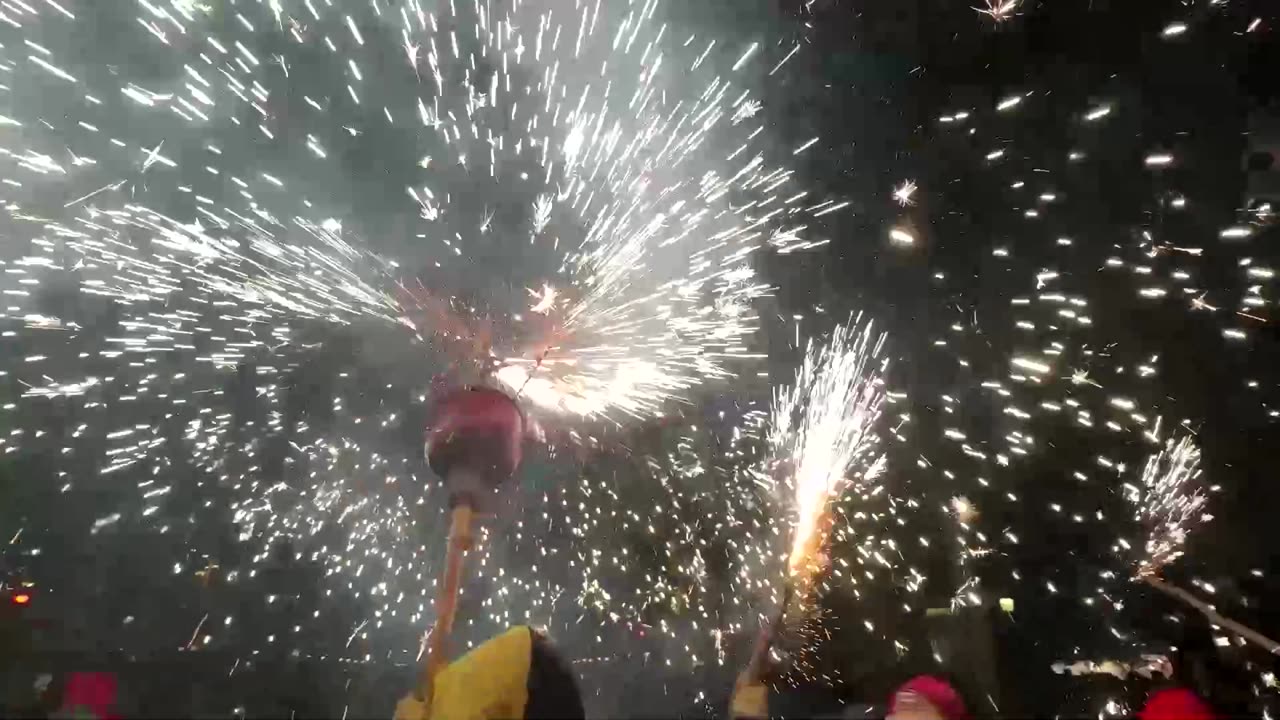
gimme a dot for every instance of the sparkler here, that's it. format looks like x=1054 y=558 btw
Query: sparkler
x=998 y=10
x=1169 y=503
x=822 y=440
x=904 y=192
x=822 y=430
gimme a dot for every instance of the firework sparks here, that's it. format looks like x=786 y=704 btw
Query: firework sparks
x=622 y=171
x=1169 y=503
x=546 y=300
x=635 y=209
x=904 y=192
x=998 y=10
x=822 y=431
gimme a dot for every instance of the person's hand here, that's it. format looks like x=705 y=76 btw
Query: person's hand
x=750 y=697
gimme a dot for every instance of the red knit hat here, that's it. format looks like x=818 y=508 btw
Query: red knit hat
x=936 y=692
x=93 y=693
x=1175 y=704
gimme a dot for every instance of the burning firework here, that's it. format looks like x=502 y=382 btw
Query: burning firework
x=904 y=193
x=822 y=433
x=649 y=203
x=1169 y=503
x=821 y=442
x=998 y=10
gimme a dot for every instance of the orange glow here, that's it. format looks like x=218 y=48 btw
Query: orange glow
x=21 y=599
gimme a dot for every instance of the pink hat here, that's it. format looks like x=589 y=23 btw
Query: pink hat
x=936 y=692
x=1175 y=704
x=94 y=692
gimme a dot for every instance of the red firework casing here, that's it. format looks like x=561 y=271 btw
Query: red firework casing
x=475 y=443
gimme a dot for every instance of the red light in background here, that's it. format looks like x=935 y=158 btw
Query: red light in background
x=21 y=599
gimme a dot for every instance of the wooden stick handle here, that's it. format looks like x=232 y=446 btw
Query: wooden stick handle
x=758 y=663
x=1247 y=633
x=750 y=699
x=460 y=538
x=759 y=654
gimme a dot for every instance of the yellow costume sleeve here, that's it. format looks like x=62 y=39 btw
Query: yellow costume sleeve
x=488 y=683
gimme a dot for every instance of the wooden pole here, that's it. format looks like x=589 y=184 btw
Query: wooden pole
x=1249 y=634
x=460 y=538
x=750 y=699
x=758 y=663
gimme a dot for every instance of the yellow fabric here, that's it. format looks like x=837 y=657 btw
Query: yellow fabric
x=750 y=700
x=411 y=708
x=488 y=683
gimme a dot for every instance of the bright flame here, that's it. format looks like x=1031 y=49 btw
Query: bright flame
x=903 y=193
x=822 y=430
x=545 y=302
x=998 y=10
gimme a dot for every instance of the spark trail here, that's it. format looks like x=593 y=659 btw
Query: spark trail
x=590 y=153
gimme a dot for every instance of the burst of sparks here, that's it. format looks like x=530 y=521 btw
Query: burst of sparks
x=545 y=300
x=998 y=10
x=658 y=290
x=904 y=192
x=1169 y=503
x=745 y=110
x=542 y=213
x=822 y=434
x=642 y=244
